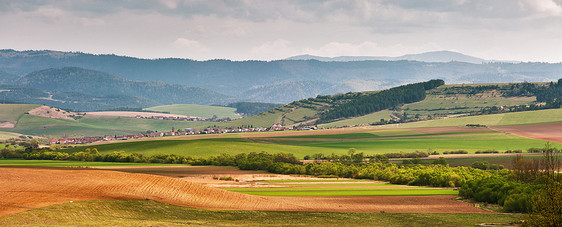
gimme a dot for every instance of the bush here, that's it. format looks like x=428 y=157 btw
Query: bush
x=487 y=152
x=456 y=152
x=440 y=161
x=480 y=165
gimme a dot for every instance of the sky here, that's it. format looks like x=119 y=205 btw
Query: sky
x=524 y=30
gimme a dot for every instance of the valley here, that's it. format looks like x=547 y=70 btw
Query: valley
x=416 y=149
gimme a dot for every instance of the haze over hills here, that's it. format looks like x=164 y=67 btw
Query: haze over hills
x=87 y=90
x=280 y=81
x=434 y=56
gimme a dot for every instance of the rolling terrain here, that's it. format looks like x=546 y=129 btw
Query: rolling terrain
x=197 y=110
x=306 y=78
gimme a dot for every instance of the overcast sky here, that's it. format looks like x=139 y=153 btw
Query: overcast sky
x=527 y=30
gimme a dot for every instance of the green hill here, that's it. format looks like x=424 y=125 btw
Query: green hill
x=88 y=90
x=197 y=110
x=36 y=125
x=12 y=112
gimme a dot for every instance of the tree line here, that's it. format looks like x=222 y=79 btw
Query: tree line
x=369 y=103
x=532 y=186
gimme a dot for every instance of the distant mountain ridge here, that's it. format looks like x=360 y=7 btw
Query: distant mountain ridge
x=434 y=56
x=280 y=81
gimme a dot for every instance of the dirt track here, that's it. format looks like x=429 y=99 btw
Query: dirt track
x=547 y=132
x=41 y=187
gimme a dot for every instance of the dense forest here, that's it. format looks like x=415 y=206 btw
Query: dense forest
x=366 y=104
x=252 y=108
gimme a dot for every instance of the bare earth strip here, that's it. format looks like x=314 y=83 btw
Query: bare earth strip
x=101 y=114
x=7 y=124
x=547 y=132
x=40 y=187
x=51 y=112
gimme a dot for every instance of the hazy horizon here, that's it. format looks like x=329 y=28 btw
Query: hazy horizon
x=522 y=30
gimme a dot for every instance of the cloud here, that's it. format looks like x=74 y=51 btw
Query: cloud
x=189 y=44
x=367 y=48
x=276 y=49
x=545 y=7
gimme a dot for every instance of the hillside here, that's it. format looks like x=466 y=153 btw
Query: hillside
x=244 y=78
x=197 y=110
x=89 y=90
x=28 y=124
x=329 y=108
x=439 y=102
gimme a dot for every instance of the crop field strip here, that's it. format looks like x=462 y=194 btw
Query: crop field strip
x=152 y=213
x=376 y=142
x=197 y=110
x=343 y=188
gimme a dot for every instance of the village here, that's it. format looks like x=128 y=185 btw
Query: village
x=173 y=132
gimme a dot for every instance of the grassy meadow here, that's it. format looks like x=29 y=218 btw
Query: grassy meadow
x=343 y=188
x=56 y=163
x=151 y=213
x=433 y=104
x=12 y=112
x=36 y=125
x=197 y=110
x=363 y=120
x=377 y=142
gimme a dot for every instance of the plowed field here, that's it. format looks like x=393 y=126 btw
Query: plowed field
x=548 y=132
x=24 y=188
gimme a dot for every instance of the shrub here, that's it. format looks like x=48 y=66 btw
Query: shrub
x=480 y=165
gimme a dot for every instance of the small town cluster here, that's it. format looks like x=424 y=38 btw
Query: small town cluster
x=173 y=132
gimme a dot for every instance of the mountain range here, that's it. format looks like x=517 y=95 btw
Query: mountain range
x=434 y=56
x=172 y=80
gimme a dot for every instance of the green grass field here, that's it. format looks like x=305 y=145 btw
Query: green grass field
x=433 y=104
x=12 y=112
x=336 y=192
x=35 y=125
x=342 y=188
x=54 y=163
x=393 y=141
x=516 y=118
x=298 y=115
x=363 y=120
x=8 y=135
x=151 y=213
x=263 y=120
x=204 y=147
x=197 y=110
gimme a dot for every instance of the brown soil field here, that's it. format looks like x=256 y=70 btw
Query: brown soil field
x=547 y=132
x=7 y=124
x=101 y=114
x=449 y=129
x=34 y=187
x=47 y=111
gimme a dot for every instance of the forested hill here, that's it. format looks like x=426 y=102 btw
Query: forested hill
x=86 y=90
x=271 y=81
x=369 y=103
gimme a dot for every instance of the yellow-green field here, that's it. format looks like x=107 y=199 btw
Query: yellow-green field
x=375 y=142
x=342 y=188
x=516 y=118
x=197 y=110
x=363 y=120
x=461 y=102
x=36 y=125
x=12 y=112
x=151 y=213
